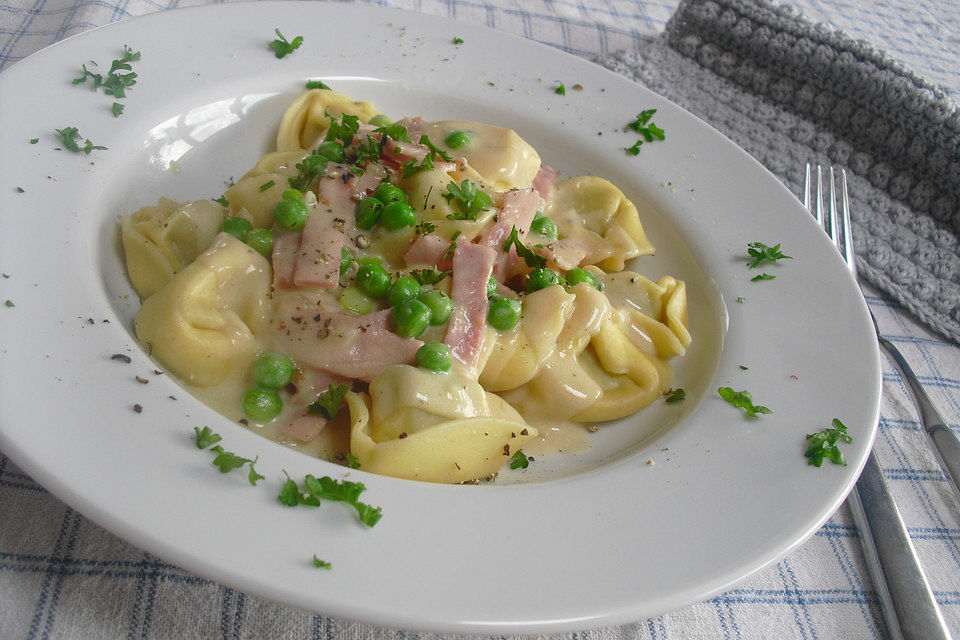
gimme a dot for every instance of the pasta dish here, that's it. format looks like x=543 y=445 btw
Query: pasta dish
x=418 y=299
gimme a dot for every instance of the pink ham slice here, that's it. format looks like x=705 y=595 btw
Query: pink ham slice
x=284 y=258
x=545 y=179
x=318 y=258
x=304 y=426
x=518 y=210
x=427 y=250
x=341 y=343
x=472 y=266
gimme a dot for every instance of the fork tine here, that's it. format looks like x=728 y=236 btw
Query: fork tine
x=834 y=231
x=848 y=252
x=820 y=195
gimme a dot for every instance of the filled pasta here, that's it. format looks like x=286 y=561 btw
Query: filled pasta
x=417 y=299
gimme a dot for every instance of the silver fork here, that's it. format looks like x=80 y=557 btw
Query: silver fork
x=909 y=608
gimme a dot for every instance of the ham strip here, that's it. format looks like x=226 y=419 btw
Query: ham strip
x=472 y=266
x=427 y=250
x=284 y=258
x=545 y=180
x=518 y=210
x=318 y=258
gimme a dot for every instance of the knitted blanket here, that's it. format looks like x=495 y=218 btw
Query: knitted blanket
x=791 y=92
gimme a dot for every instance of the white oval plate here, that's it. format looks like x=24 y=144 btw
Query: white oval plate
x=634 y=528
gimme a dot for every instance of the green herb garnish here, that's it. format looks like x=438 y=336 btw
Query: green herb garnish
x=317 y=84
x=434 y=149
x=252 y=475
x=675 y=396
x=352 y=461
x=823 y=444
x=468 y=199
x=762 y=276
x=560 y=90
x=34 y=140
x=227 y=461
x=326 y=488
x=458 y=40
x=396 y=131
x=70 y=137
x=205 y=437
x=411 y=167
x=8 y=303
x=267 y=185
x=533 y=260
x=762 y=254
x=116 y=83
x=321 y=564
x=519 y=460
x=425 y=227
x=645 y=128
x=430 y=275
x=328 y=403
x=281 y=46
x=743 y=400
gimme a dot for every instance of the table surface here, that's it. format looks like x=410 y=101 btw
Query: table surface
x=62 y=576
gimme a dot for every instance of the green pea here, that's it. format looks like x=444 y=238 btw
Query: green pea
x=545 y=227
x=355 y=300
x=439 y=304
x=410 y=318
x=458 y=139
x=404 y=288
x=504 y=313
x=492 y=286
x=578 y=275
x=434 y=356
x=368 y=212
x=331 y=151
x=373 y=280
x=541 y=279
x=346 y=259
x=261 y=241
x=262 y=405
x=370 y=260
x=387 y=193
x=273 y=370
x=381 y=120
x=291 y=214
x=396 y=215
x=237 y=227
x=292 y=194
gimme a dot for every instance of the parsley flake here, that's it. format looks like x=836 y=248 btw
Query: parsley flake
x=227 y=461
x=468 y=199
x=115 y=83
x=519 y=460
x=117 y=109
x=205 y=437
x=560 y=90
x=281 y=46
x=317 y=84
x=647 y=129
x=8 y=303
x=458 y=40
x=430 y=275
x=328 y=402
x=823 y=444
x=70 y=137
x=321 y=564
x=742 y=400
x=533 y=260
x=763 y=254
x=353 y=461
x=34 y=140
x=675 y=396
x=762 y=276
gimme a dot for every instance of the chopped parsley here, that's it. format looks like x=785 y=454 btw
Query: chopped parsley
x=70 y=139
x=117 y=109
x=647 y=129
x=824 y=444
x=763 y=254
x=396 y=131
x=411 y=167
x=741 y=299
x=326 y=488
x=430 y=275
x=519 y=460
x=328 y=403
x=468 y=199
x=560 y=90
x=205 y=437
x=762 y=276
x=321 y=564
x=742 y=400
x=533 y=260
x=434 y=149
x=317 y=84
x=458 y=40
x=34 y=140
x=352 y=461
x=675 y=396
x=8 y=303
x=227 y=461
x=425 y=227
x=116 y=83
x=281 y=46
x=267 y=185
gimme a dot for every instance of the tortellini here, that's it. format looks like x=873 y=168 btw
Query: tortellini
x=469 y=308
x=307 y=117
x=201 y=324
x=434 y=427
x=160 y=241
x=594 y=213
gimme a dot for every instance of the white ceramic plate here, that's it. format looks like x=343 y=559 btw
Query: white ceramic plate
x=635 y=527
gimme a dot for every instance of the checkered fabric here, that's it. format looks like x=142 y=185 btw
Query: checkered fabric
x=62 y=576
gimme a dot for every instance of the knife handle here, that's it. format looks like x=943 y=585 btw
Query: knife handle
x=908 y=605
x=945 y=441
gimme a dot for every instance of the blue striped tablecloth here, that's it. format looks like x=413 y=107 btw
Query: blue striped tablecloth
x=61 y=576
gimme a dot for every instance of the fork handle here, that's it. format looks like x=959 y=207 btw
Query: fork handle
x=909 y=607
x=945 y=441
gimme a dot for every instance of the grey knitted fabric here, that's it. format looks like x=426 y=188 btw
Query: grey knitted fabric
x=790 y=92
